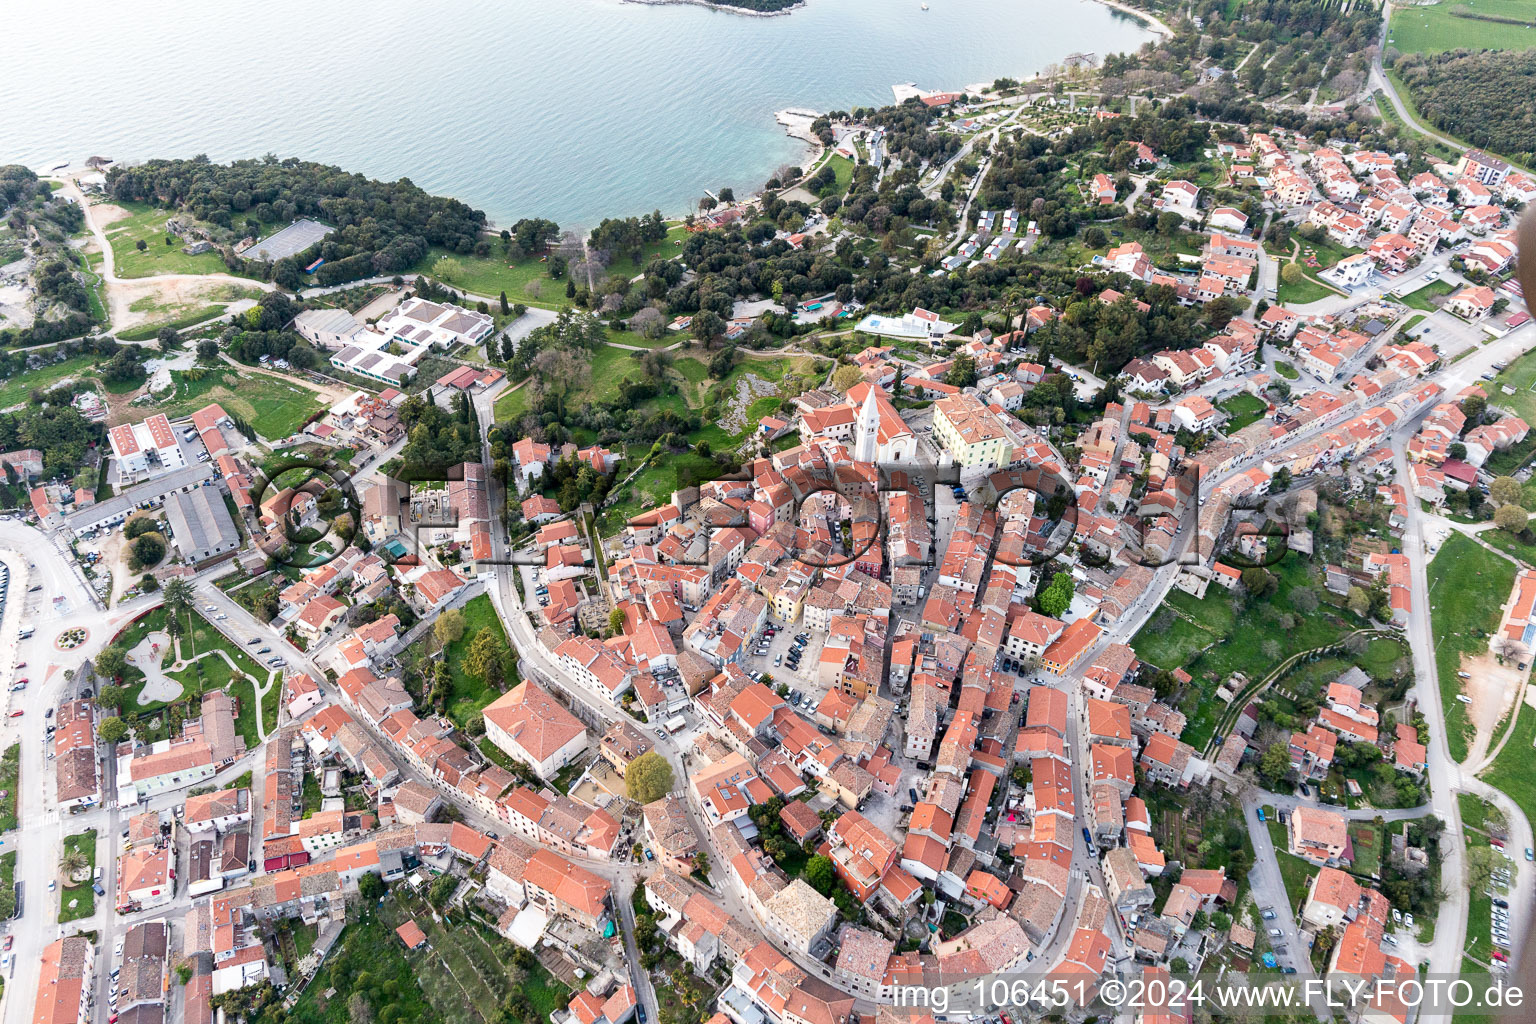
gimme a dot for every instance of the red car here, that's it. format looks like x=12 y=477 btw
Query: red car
x=17 y=714
x=21 y=682
x=10 y=940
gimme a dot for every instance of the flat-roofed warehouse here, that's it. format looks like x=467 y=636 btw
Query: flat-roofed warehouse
x=201 y=526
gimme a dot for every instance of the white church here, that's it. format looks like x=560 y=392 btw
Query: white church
x=866 y=422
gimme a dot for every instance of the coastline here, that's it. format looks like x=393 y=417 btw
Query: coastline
x=727 y=8
x=1152 y=21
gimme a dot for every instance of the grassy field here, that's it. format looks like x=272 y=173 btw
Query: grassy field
x=1511 y=771
x=78 y=901
x=14 y=390
x=1366 y=839
x=1244 y=409
x=275 y=407
x=1479 y=935
x=1211 y=642
x=1328 y=252
x=191 y=317
x=1435 y=28
x=1521 y=376
x=1468 y=585
x=10 y=782
x=1420 y=299
x=147 y=224
x=471 y=693
x=527 y=280
x=7 y=884
x=842 y=167
x=1286 y=370
x=1308 y=289
x=205 y=674
x=1475 y=811
x=1510 y=544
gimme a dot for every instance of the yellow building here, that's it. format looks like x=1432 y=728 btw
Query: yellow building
x=970 y=432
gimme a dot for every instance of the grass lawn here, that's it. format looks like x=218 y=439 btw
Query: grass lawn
x=1286 y=370
x=1366 y=838
x=1479 y=937
x=1468 y=585
x=512 y=404
x=275 y=407
x=1308 y=289
x=78 y=901
x=1244 y=409
x=196 y=315
x=495 y=754
x=269 y=706
x=1475 y=811
x=1511 y=770
x=1236 y=642
x=1520 y=375
x=206 y=673
x=527 y=280
x=1420 y=299
x=14 y=390
x=1436 y=28
x=7 y=884
x=471 y=693
x=660 y=479
x=843 y=168
x=147 y=223
x=692 y=369
x=1511 y=544
x=10 y=781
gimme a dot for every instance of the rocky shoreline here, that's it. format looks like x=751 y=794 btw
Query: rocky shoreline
x=722 y=7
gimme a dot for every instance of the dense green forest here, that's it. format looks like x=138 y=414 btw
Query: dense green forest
x=757 y=5
x=32 y=212
x=1298 y=45
x=381 y=227
x=1481 y=96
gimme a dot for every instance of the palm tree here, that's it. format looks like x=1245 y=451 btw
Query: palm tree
x=74 y=863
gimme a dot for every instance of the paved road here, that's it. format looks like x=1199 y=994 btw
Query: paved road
x=1380 y=80
x=1269 y=893
x=63 y=602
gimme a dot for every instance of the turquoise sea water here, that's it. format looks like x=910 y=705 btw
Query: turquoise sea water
x=570 y=109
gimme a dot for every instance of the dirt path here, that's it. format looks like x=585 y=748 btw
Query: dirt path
x=168 y=290
x=330 y=393
x=1493 y=689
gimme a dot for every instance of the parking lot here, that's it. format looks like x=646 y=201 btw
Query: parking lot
x=779 y=648
x=250 y=641
x=1451 y=334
